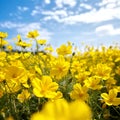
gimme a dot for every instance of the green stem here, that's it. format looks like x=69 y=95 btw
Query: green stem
x=0 y=44
x=37 y=46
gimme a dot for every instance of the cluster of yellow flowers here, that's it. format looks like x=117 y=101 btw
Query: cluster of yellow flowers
x=58 y=87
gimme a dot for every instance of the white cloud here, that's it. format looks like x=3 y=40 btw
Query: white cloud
x=57 y=15
x=22 y=9
x=11 y=25
x=86 y=6
x=61 y=13
x=106 y=2
x=61 y=3
x=107 y=30
x=36 y=10
x=108 y=10
x=28 y=27
x=92 y=16
x=34 y=26
x=47 y=1
x=24 y=28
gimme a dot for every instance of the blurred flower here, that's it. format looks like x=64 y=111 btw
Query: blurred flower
x=2 y=76
x=64 y=49
x=3 y=35
x=3 y=56
x=38 y=70
x=49 y=49
x=3 y=42
x=33 y=34
x=9 y=47
x=41 y=42
x=118 y=70
x=62 y=110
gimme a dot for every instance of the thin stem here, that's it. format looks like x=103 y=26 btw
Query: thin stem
x=37 y=46
x=0 y=44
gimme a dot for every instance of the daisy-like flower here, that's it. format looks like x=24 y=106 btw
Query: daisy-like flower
x=59 y=67
x=79 y=92
x=44 y=87
x=111 y=97
x=33 y=34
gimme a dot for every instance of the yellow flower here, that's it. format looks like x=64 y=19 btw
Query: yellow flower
x=41 y=42
x=40 y=116
x=16 y=74
x=33 y=34
x=38 y=70
x=110 y=82
x=3 y=42
x=3 y=35
x=59 y=67
x=22 y=43
x=118 y=70
x=77 y=66
x=62 y=110
x=9 y=47
x=3 y=56
x=111 y=97
x=45 y=87
x=24 y=95
x=79 y=110
x=19 y=38
x=2 y=76
x=58 y=95
x=93 y=83
x=64 y=50
x=49 y=49
x=14 y=56
x=103 y=71
x=79 y=92
x=82 y=75
x=12 y=87
x=56 y=110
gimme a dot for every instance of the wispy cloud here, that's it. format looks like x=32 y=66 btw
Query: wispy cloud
x=47 y=1
x=109 y=2
x=23 y=9
x=37 y=10
x=11 y=25
x=60 y=13
x=86 y=6
x=61 y=3
x=107 y=11
x=107 y=30
x=24 y=28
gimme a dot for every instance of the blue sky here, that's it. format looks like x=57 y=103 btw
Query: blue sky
x=93 y=22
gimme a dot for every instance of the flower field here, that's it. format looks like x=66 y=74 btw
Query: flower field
x=71 y=85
